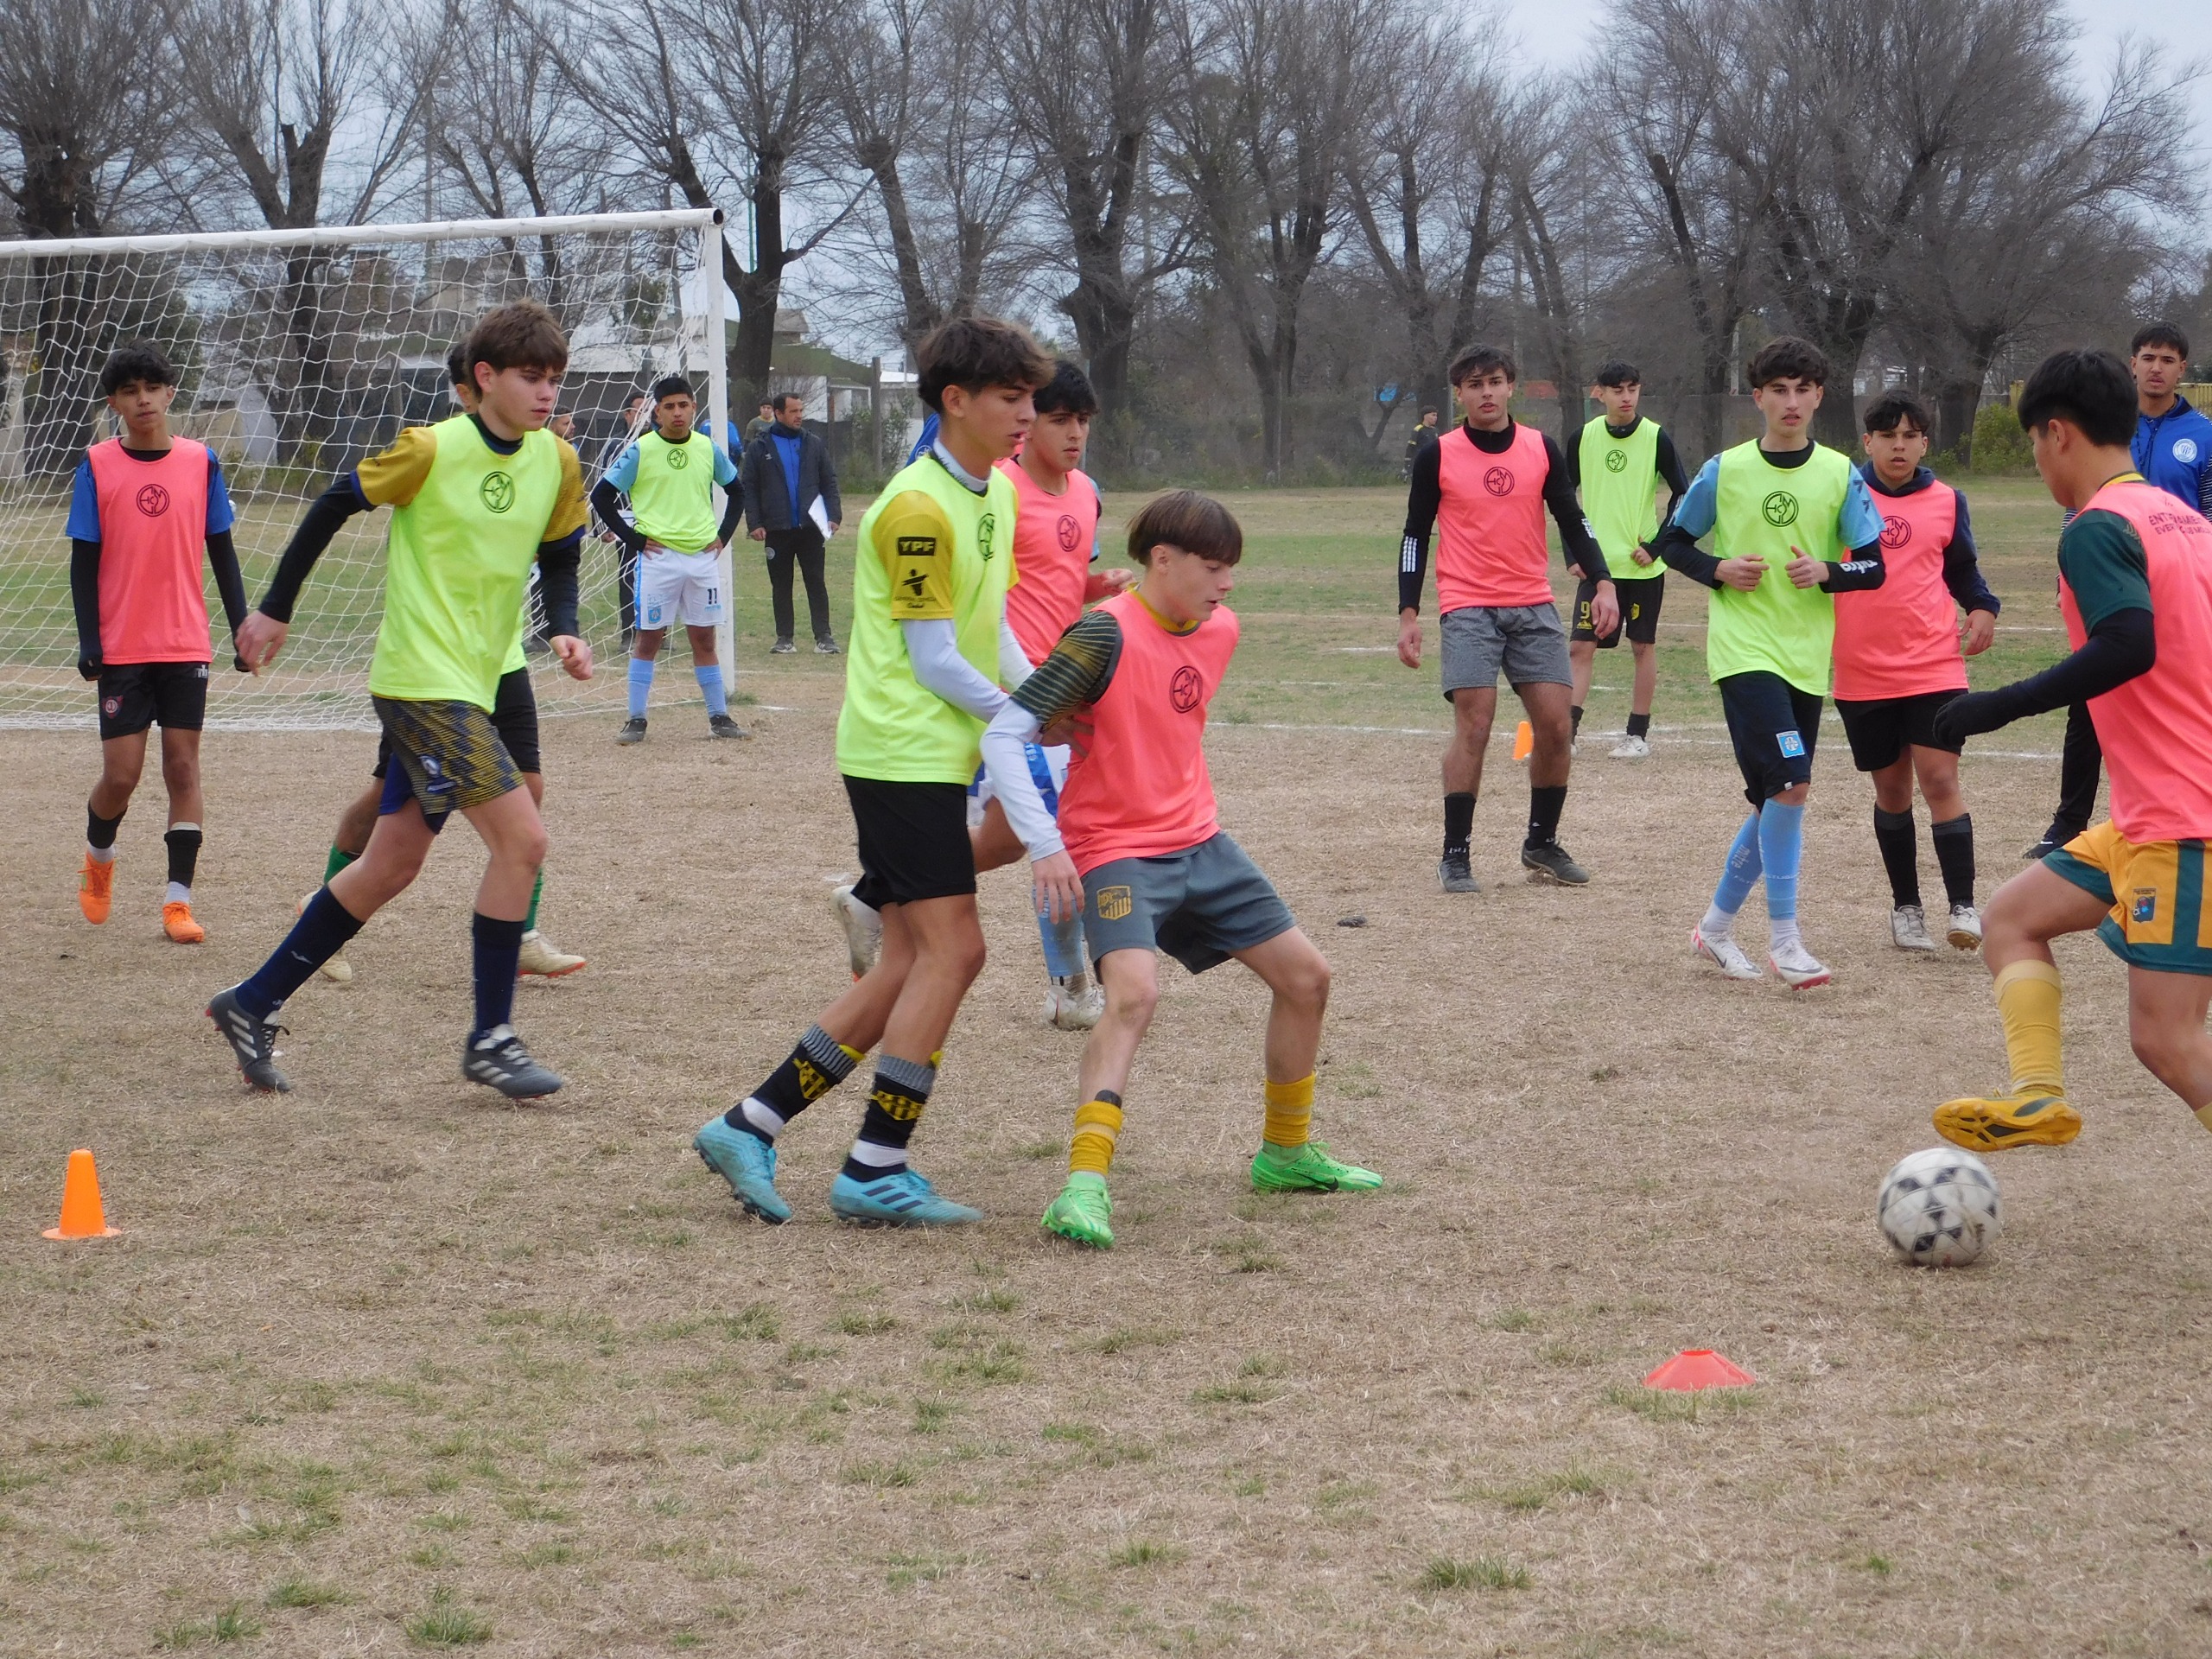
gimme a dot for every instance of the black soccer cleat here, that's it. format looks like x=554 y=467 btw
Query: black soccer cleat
x=1455 y=874
x=723 y=726
x=497 y=1060
x=1549 y=861
x=2051 y=840
x=252 y=1041
x=633 y=730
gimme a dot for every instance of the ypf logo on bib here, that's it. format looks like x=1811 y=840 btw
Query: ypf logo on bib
x=1779 y=509
x=1616 y=461
x=153 y=501
x=497 y=492
x=1184 y=689
x=1895 y=531
x=2185 y=450
x=1498 y=481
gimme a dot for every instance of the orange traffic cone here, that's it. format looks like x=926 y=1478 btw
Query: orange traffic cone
x=1524 y=741
x=82 y=1215
x=1699 y=1367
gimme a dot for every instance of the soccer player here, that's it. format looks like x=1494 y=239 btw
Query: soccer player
x=475 y=500
x=2135 y=588
x=142 y=507
x=1900 y=656
x=1792 y=526
x=1487 y=483
x=930 y=645
x=1138 y=850
x=1424 y=432
x=670 y=475
x=2173 y=448
x=1615 y=465
x=514 y=716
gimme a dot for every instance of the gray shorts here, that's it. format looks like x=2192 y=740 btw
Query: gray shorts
x=1526 y=643
x=1201 y=906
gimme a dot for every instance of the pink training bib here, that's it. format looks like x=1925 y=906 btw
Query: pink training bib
x=153 y=528
x=1901 y=639
x=1491 y=525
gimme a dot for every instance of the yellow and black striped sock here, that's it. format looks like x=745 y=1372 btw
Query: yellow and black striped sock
x=1290 y=1113
x=1097 y=1126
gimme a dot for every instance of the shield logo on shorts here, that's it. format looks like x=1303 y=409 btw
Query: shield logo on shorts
x=1792 y=744
x=1114 y=903
x=2145 y=907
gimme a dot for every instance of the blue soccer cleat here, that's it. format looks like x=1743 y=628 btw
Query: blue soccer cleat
x=748 y=1164
x=902 y=1198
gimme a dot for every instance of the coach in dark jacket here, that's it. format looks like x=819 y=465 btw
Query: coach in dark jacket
x=785 y=472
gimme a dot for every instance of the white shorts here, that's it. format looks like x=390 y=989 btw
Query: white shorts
x=684 y=587
x=1048 y=769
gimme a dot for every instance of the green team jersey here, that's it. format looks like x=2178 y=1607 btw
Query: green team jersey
x=672 y=491
x=1617 y=497
x=1766 y=511
x=931 y=549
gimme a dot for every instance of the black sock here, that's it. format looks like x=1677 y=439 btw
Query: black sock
x=319 y=934
x=497 y=950
x=1639 y=725
x=183 y=843
x=894 y=1107
x=100 y=832
x=1545 y=804
x=1893 y=834
x=1576 y=712
x=1953 y=839
x=1459 y=824
x=815 y=1066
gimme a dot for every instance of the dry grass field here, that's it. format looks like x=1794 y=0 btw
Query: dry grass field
x=384 y=1366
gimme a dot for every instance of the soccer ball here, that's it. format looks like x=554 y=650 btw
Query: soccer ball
x=1938 y=1208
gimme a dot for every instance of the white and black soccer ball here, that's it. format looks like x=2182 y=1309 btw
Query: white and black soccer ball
x=1938 y=1208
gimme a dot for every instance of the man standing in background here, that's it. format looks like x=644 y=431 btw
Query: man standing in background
x=1424 y=432
x=791 y=502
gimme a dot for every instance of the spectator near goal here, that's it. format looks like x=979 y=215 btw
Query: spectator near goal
x=786 y=478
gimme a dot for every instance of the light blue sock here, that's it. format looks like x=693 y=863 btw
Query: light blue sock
x=1782 y=848
x=709 y=675
x=1737 y=878
x=641 y=685
x=1063 y=944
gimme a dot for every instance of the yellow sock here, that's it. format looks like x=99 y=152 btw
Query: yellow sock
x=1097 y=1126
x=2027 y=1001
x=856 y=1055
x=1290 y=1112
x=2204 y=1115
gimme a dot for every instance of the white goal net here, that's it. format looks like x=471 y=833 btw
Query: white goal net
x=300 y=354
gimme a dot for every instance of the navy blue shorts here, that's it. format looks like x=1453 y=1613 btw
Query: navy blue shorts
x=1774 y=726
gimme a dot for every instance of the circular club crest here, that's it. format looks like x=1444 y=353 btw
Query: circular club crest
x=1779 y=509
x=1069 y=533
x=497 y=492
x=1616 y=461
x=153 y=501
x=1183 y=691
x=1895 y=531
x=2185 y=450
x=110 y=707
x=679 y=457
x=1498 y=481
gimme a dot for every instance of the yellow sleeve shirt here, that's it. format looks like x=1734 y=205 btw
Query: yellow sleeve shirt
x=396 y=477
x=914 y=540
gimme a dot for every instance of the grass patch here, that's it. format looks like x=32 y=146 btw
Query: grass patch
x=1040 y=1149
x=446 y=1623
x=1575 y=1481
x=933 y=1416
x=1665 y=1406
x=1145 y=1551
x=996 y=1300
x=1879 y=1566
x=1242 y=1392
x=758 y=1323
x=879 y=1477
x=1512 y=1318
x=1483 y=1573
x=856 y=1322
x=233 y=1623
x=305 y=1592
x=1122 y=1339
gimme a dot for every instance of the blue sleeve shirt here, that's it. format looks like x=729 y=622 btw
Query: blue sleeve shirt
x=1856 y=525
x=2173 y=452
x=624 y=472
x=725 y=469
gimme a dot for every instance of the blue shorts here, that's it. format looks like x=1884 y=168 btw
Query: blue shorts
x=1774 y=728
x=1201 y=905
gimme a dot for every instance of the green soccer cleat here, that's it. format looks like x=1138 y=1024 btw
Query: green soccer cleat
x=1081 y=1214
x=1307 y=1169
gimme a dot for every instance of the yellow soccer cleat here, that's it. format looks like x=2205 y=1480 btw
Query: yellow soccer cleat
x=177 y=923
x=2021 y=1119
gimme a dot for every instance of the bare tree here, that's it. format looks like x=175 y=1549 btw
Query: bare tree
x=1551 y=189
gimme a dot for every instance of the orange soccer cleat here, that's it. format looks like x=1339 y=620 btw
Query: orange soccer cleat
x=96 y=889
x=177 y=923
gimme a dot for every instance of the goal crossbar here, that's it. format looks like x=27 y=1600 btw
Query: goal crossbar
x=351 y=236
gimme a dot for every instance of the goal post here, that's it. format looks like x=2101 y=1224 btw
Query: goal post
x=300 y=354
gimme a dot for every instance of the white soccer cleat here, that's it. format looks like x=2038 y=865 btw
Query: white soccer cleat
x=1723 y=953
x=1800 y=970
x=336 y=970
x=862 y=927
x=1965 y=931
x=544 y=958
x=1909 y=929
x=1067 y=1010
x=1632 y=749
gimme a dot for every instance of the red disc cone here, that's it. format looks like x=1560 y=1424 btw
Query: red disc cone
x=1700 y=1367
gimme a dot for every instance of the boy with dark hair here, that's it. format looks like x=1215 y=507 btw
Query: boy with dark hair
x=475 y=500
x=2135 y=588
x=1424 y=432
x=2173 y=448
x=1138 y=850
x=1615 y=464
x=1781 y=500
x=142 y=506
x=669 y=475
x=930 y=644
x=1487 y=483
x=1900 y=656
x=514 y=716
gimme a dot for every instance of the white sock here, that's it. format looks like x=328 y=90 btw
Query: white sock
x=885 y=1159
x=179 y=894
x=1785 y=933
x=1718 y=924
x=100 y=854
x=764 y=1118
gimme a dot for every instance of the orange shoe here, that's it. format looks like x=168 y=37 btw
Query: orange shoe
x=96 y=890
x=177 y=923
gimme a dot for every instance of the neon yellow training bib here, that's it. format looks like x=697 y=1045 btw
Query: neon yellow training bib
x=1618 y=475
x=1766 y=511
x=673 y=495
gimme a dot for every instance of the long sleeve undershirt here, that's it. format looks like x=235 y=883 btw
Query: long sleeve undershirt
x=933 y=650
x=1425 y=499
x=1006 y=757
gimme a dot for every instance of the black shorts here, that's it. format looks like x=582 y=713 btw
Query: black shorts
x=1640 y=602
x=913 y=841
x=1881 y=728
x=450 y=759
x=1774 y=726
x=133 y=696
x=514 y=717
